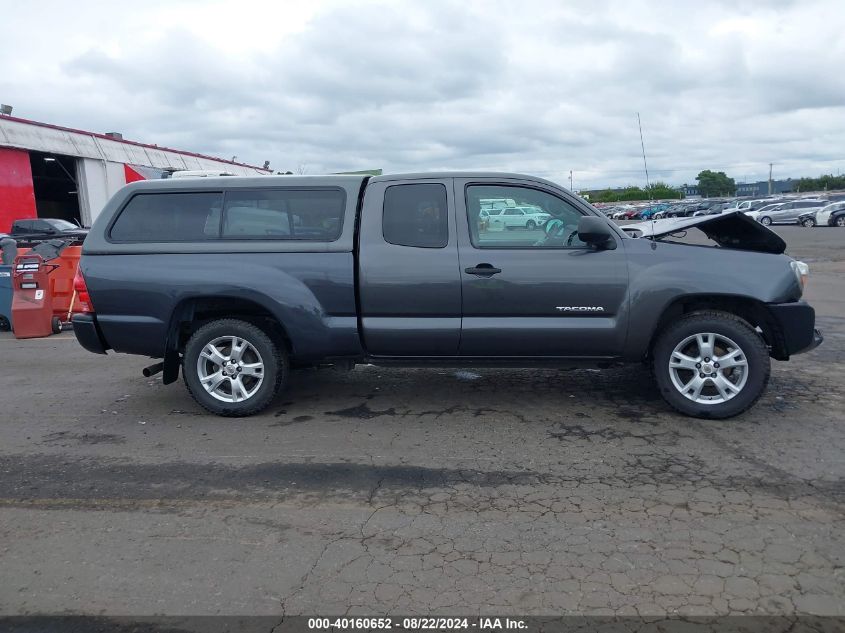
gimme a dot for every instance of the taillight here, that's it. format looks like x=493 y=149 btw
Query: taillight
x=82 y=304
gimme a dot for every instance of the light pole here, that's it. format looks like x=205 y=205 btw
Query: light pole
x=642 y=144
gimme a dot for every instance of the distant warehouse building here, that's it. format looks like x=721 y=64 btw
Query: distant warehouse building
x=761 y=188
x=57 y=172
x=749 y=189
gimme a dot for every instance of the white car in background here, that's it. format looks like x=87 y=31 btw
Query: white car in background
x=755 y=215
x=496 y=204
x=518 y=218
x=788 y=212
x=823 y=214
x=622 y=211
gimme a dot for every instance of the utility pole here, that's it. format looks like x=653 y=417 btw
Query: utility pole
x=770 y=179
x=570 y=180
x=642 y=144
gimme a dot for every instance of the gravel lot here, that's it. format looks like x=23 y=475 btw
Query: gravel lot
x=424 y=491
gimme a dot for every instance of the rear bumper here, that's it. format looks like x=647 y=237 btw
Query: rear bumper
x=796 y=324
x=87 y=333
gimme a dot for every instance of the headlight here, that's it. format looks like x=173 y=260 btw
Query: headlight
x=802 y=271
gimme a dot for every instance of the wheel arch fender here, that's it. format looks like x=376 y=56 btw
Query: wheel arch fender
x=752 y=311
x=190 y=313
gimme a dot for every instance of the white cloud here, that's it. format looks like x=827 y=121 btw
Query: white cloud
x=539 y=87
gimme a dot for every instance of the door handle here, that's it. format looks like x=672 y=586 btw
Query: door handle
x=483 y=270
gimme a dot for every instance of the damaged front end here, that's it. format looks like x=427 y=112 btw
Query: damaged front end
x=733 y=230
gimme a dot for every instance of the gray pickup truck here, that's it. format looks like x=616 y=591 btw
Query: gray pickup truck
x=238 y=281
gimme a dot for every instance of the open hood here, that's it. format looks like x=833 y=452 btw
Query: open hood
x=729 y=230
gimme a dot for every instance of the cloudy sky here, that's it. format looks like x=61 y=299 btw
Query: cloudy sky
x=531 y=86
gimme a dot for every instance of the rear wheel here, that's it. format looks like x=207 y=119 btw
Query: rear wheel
x=531 y=225
x=56 y=325
x=766 y=220
x=232 y=368
x=658 y=216
x=840 y=221
x=711 y=365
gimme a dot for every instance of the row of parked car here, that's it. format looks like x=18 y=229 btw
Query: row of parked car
x=807 y=213
x=659 y=210
x=826 y=210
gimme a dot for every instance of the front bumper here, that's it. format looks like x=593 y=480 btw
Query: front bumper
x=795 y=324
x=87 y=333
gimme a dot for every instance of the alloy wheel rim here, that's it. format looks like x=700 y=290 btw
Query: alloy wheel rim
x=708 y=368
x=230 y=369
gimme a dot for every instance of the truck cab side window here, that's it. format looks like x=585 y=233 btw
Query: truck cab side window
x=531 y=218
x=416 y=215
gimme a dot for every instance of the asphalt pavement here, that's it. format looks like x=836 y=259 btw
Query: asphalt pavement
x=424 y=491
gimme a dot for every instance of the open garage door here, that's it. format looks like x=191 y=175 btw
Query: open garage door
x=55 y=185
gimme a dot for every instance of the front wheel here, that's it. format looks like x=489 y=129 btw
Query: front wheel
x=658 y=216
x=766 y=220
x=711 y=365
x=232 y=368
x=531 y=225
x=809 y=223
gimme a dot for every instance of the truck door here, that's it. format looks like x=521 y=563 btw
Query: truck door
x=536 y=290
x=409 y=283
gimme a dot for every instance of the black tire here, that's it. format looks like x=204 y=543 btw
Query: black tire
x=840 y=221
x=56 y=325
x=808 y=223
x=766 y=220
x=5 y=326
x=531 y=225
x=720 y=323
x=275 y=371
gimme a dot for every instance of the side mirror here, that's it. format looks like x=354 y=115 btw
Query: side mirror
x=596 y=232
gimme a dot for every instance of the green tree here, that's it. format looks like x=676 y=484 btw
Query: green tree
x=662 y=191
x=715 y=183
x=827 y=182
x=657 y=191
x=604 y=196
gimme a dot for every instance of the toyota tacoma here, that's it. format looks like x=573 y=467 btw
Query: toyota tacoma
x=236 y=282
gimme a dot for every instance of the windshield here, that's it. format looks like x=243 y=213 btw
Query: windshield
x=61 y=225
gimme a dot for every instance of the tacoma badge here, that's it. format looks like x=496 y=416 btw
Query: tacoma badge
x=580 y=308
